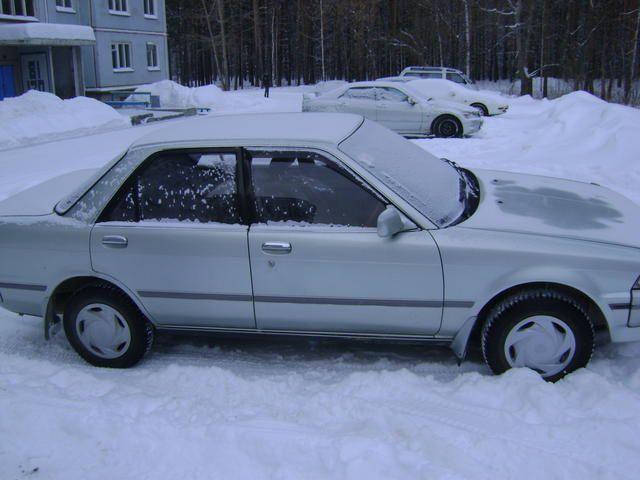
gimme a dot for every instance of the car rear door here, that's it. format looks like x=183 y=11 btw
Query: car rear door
x=317 y=262
x=174 y=235
x=397 y=113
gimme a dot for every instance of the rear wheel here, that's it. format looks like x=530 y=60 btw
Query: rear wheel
x=447 y=126
x=106 y=328
x=484 y=111
x=544 y=330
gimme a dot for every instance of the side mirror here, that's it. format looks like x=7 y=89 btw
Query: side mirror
x=389 y=223
x=411 y=101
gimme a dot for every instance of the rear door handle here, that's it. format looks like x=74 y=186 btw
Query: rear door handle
x=276 y=248
x=115 y=241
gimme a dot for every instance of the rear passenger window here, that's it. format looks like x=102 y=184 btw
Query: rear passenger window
x=304 y=187
x=180 y=186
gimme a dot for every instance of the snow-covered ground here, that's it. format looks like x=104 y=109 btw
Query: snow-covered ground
x=261 y=409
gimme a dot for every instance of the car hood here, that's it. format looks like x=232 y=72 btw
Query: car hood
x=536 y=205
x=43 y=197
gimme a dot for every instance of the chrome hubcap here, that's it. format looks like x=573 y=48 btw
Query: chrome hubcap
x=543 y=343
x=103 y=331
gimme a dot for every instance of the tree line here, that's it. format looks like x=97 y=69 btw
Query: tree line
x=591 y=43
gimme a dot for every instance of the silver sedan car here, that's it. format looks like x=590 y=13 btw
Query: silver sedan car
x=398 y=107
x=322 y=225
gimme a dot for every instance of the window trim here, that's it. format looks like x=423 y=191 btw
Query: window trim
x=243 y=183
x=154 y=15
x=120 y=69
x=239 y=180
x=332 y=162
x=67 y=6
x=121 y=12
x=12 y=15
x=156 y=67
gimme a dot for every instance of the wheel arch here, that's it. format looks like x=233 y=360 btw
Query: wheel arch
x=474 y=325
x=483 y=106
x=55 y=304
x=444 y=116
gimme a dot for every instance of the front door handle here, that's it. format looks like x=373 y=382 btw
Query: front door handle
x=276 y=248
x=115 y=241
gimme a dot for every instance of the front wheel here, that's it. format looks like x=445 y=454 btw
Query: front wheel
x=106 y=328
x=447 y=126
x=544 y=330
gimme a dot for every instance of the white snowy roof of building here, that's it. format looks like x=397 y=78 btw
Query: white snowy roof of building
x=266 y=128
x=54 y=34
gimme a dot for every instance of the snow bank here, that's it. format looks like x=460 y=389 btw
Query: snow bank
x=174 y=95
x=577 y=136
x=40 y=116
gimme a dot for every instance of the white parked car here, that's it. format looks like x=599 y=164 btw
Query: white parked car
x=321 y=225
x=399 y=107
x=445 y=73
x=488 y=103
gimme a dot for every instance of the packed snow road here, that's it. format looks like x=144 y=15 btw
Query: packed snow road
x=285 y=409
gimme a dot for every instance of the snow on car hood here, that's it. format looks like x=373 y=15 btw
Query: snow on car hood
x=538 y=205
x=42 y=198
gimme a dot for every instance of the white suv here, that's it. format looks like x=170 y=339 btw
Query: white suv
x=438 y=72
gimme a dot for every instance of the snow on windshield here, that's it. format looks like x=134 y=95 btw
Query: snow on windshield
x=429 y=184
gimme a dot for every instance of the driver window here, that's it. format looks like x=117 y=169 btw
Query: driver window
x=392 y=95
x=304 y=187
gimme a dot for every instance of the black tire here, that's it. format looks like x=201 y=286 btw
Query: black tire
x=447 y=126
x=129 y=319
x=484 y=111
x=521 y=312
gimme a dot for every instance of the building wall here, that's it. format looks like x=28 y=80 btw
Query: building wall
x=133 y=28
x=140 y=73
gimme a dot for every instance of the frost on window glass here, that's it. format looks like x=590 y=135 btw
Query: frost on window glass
x=305 y=188
x=391 y=95
x=180 y=186
x=360 y=93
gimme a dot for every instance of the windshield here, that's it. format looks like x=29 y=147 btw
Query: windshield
x=432 y=186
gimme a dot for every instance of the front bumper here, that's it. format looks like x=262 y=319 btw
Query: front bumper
x=472 y=125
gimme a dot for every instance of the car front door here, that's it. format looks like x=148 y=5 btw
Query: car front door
x=397 y=112
x=317 y=262
x=174 y=235
x=358 y=100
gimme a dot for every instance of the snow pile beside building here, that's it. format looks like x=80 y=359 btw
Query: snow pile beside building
x=40 y=116
x=577 y=136
x=174 y=95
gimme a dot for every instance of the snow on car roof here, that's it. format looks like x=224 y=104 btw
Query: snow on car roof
x=290 y=127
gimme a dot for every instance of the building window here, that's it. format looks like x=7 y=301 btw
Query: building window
x=150 y=9
x=119 y=7
x=152 y=57
x=121 y=57
x=65 y=6
x=18 y=8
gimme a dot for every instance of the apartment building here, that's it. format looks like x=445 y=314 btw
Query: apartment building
x=78 y=47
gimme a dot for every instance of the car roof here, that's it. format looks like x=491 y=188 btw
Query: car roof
x=376 y=84
x=291 y=128
x=427 y=68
